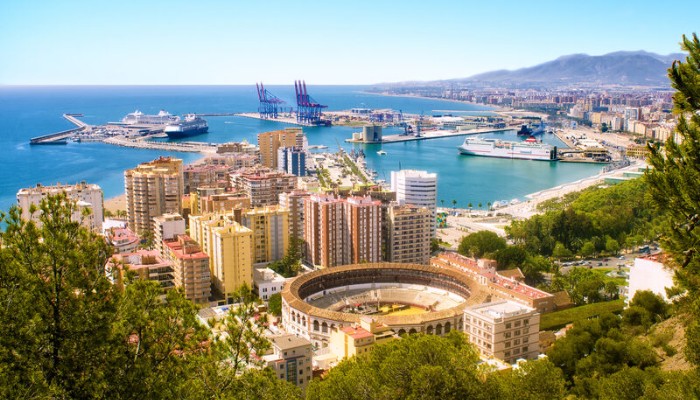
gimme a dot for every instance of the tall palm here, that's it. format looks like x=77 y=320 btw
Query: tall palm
x=480 y=205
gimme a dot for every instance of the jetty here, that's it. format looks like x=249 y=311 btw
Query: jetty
x=426 y=135
x=61 y=137
x=189 y=147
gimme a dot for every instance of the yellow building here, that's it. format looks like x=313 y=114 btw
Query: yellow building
x=152 y=189
x=270 y=227
x=229 y=246
x=270 y=142
x=359 y=339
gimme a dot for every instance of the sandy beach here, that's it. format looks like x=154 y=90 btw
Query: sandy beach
x=115 y=203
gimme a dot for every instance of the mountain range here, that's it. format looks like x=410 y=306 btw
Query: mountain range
x=625 y=68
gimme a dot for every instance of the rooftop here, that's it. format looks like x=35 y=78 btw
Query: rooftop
x=500 y=309
x=286 y=342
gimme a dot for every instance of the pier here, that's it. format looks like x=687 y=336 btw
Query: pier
x=431 y=135
x=189 y=147
x=61 y=137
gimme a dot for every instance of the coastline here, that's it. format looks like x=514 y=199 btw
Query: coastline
x=496 y=109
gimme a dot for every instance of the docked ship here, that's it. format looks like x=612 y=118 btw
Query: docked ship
x=528 y=150
x=531 y=130
x=162 y=118
x=192 y=125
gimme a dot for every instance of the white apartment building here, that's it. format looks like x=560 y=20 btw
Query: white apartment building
x=505 y=330
x=418 y=188
x=86 y=196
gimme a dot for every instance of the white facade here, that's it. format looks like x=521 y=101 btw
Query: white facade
x=267 y=282
x=167 y=227
x=649 y=274
x=505 y=330
x=86 y=196
x=418 y=188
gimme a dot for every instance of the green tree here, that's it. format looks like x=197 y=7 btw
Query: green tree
x=479 y=243
x=674 y=183
x=56 y=305
x=604 y=127
x=612 y=246
x=560 y=251
x=538 y=379
x=511 y=257
x=274 y=304
x=588 y=249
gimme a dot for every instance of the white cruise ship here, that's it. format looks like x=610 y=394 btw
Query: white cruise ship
x=162 y=118
x=527 y=150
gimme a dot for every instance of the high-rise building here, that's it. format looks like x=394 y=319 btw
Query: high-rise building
x=364 y=217
x=408 y=234
x=325 y=229
x=270 y=226
x=205 y=175
x=152 y=189
x=340 y=232
x=85 y=196
x=418 y=188
x=191 y=268
x=229 y=245
x=263 y=186
x=294 y=202
x=269 y=142
x=167 y=227
x=504 y=329
x=292 y=160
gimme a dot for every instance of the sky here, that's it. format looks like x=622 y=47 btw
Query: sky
x=124 y=42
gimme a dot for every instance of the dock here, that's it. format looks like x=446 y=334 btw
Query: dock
x=432 y=135
x=61 y=137
x=189 y=147
x=292 y=120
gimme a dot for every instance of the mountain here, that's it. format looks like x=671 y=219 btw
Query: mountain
x=627 y=68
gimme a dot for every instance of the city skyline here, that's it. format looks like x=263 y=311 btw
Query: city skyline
x=214 y=42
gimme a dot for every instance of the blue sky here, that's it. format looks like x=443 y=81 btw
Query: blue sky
x=331 y=42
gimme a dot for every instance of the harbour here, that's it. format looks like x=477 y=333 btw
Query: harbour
x=462 y=178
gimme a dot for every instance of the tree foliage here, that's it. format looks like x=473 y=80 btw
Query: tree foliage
x=69 y=333
x=478 y=244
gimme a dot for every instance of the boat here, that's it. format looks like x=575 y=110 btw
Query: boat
x=503 y=149
x=531 y=130
x=162 y=118
x=192 y=125
x=381 y=152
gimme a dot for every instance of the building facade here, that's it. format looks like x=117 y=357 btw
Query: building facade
x=145 y=264
x=504 y=329
x=270 y=142
x=291 y=359
x=85 y=196
x=418 y=188
x=152 y=189
x=408 y=236
x=270 y=227
x=167 y=227
x=364 y=217
x=325 y=230
x=263 y=186
x=191 y=268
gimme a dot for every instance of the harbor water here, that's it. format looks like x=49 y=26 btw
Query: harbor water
x=26 y=112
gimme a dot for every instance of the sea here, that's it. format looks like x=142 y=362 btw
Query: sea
x=29 y=111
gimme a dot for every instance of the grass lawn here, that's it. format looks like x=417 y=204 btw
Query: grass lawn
x=560 y=319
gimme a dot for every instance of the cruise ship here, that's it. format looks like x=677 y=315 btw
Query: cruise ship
x=192 y=125
x=162 y=118
x=502 y=149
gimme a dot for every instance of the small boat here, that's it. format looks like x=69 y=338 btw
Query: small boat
x=381 y=152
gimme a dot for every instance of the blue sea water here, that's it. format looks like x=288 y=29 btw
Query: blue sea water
x=26 y=112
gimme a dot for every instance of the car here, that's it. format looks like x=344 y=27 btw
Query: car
x=621 y=258
x=600 y=264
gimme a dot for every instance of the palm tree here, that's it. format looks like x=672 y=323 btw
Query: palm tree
x=488 y=205
x=442 y=201
x=480 y=205
x=469 y=206
x=454 y=206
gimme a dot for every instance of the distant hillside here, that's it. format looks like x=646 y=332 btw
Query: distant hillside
x=622 y=67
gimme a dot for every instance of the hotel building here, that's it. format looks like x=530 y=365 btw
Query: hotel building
x=191 y=268
x=418 y=188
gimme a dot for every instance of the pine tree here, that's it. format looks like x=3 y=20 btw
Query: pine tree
x=675 y=185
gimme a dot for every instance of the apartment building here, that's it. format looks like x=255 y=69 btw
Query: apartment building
x=167 y=227
x=85 y=196
x=270 y=142
x=418 y=188
x=191 y=268
x=504 y=329
x=408 y=236
x=270 y=227
x=145 y=264
x=152 y=189
x=290 y=359
x=263 y=186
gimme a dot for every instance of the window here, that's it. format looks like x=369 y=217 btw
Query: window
x=526 y=339
x=281 y=366
x=507 y=354
x=508 y=325
x=525 y=349
x=507 y=344
x=281 y=376
x=517 y=324
x=526 y=322
x=506 y=335
x=517 y=342
x=517 y=333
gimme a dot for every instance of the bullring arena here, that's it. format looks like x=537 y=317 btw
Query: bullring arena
x=408 y=298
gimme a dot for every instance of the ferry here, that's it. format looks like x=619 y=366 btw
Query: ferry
x=192 y=125
x=504 y=149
